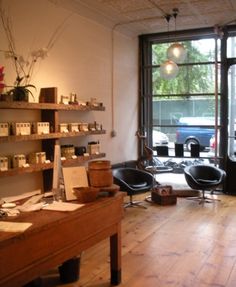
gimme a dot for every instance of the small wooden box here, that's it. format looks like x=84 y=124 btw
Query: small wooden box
x=163 y=195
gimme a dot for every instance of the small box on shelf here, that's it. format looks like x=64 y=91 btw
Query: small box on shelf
x=18 y=160
x=20 y=129
x=67 y=151
x=48 y=95
x=93 y=148
x=63 y=128
x=37 y=157
x=83 y=127
x=41 y=128
x=4 y=129
x=73 y=127
x=3 y=163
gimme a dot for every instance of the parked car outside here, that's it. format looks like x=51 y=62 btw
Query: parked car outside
x=195 y=133
x=212 y=145
x=159 y=138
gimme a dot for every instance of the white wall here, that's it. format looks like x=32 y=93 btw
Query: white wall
x=80 y=62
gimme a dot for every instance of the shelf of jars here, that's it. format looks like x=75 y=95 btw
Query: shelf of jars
x=50 y=106
x=30 y=168
x=20 y=138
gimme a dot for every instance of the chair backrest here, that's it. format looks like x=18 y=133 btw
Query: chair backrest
x=132 y=175
x=208 y=172
x=133 y=179
x=204 y=176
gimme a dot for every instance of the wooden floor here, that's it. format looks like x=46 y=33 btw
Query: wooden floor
x=186 y=244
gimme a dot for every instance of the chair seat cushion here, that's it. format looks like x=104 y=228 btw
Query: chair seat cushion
x=138 y=185
x=207 y=181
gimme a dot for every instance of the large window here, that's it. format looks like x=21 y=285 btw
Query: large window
x=231 y=53
x=187 y=108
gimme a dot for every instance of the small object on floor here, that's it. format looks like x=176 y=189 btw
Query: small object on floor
x=163 y=195
x=34 y=283
x=70 y=270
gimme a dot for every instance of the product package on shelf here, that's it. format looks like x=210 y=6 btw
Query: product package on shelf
x=63 y=128
x=67 y=151
x=18 y=160
x=41 y=128
x=3 y=163
x=4 y=129
x=83 y=127
x=80 y=150
x=93 y=148
x=73 y=127
x=20 y=129
x=64 y=100
x=94 y=126
x=37 y=157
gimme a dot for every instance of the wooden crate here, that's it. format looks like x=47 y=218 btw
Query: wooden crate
x=163 y=195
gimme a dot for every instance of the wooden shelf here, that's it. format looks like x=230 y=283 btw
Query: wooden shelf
x=81 y=159
x=22 y=170
x=46 y=166
x=49 y=106
x=33 y=137
x=50 y=112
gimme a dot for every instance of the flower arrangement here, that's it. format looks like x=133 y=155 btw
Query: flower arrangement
x=24 y=67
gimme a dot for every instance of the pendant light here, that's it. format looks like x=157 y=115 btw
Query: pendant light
x=176 y=52
x=168 y=69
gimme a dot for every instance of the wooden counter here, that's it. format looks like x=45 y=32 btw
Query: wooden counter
x=55 y=237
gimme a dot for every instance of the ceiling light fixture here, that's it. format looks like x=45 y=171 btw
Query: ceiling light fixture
x=168 y=69
x=176 y=52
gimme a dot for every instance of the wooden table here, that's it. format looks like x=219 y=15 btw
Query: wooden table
x=55 y=237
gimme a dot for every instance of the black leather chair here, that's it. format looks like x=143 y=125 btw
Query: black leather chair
x=133 y=181
x=204 y=177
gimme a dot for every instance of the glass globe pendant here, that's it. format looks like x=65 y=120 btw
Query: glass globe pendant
x=169 y=70
x=176 y=52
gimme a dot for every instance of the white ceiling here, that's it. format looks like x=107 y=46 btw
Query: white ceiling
x=135 y=17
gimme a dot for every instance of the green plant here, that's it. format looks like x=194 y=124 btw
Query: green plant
x=21 y=93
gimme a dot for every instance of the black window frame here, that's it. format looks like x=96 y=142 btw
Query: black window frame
x=145 y=69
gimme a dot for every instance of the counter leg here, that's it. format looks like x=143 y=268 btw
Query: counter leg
x=115 y=254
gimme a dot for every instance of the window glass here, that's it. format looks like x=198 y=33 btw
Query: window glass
x=184 y=107
x=232 y=110
x=231 y=47
x=177 y=138
x=195 y=111
x=191 y=79
x=198 y=51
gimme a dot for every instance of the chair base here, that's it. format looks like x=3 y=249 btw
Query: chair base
x=135 y=203
x=203 y=199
